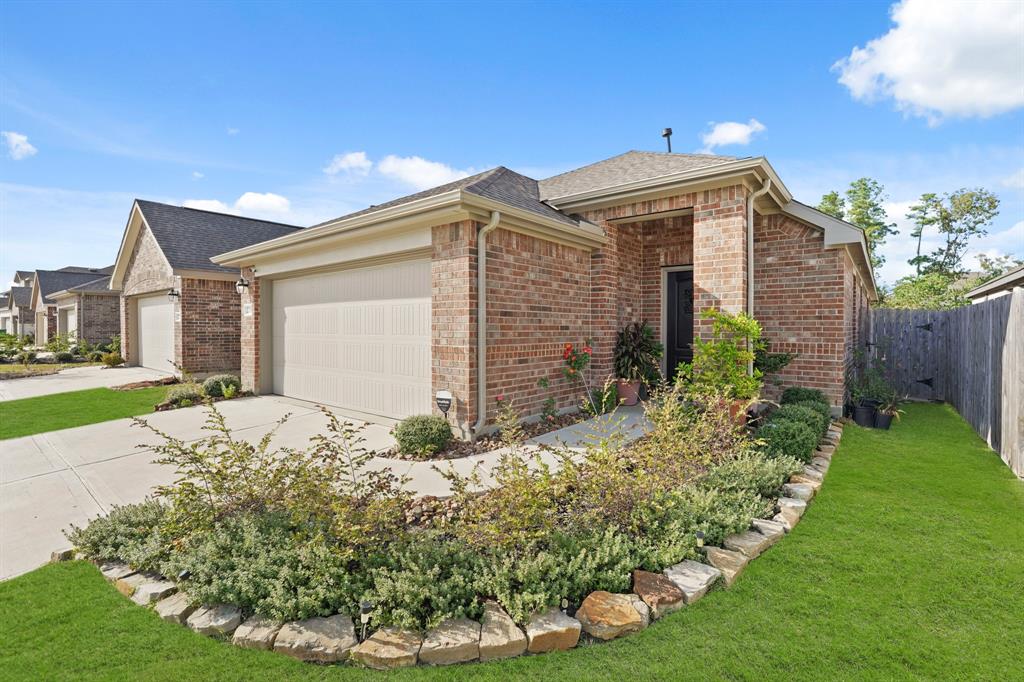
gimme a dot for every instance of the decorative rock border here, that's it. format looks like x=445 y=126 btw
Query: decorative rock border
x=601 y=616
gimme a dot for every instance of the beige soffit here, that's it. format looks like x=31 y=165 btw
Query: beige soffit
x=434 y=210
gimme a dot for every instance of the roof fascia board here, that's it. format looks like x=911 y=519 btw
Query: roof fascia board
x=997 y=283
x=758 y=166
x=583 y=234
x=205 y=274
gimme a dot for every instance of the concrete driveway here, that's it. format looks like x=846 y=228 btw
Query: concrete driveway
x=51 y=480
x=75 y=379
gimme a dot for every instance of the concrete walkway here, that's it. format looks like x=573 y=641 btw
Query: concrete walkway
x=74 y=379
x=51 y=480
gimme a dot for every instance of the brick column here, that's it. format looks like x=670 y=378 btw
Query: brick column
x=250 y=333
x=719 y=253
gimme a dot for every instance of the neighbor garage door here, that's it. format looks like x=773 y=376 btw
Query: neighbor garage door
x=356 y=339
x=156 y=333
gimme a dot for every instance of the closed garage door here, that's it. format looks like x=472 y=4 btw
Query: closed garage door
x=156 y=333
x=72 y=322
x=357 y=339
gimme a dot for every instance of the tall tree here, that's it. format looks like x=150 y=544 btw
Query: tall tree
x=958 y=217
x=994 y=266
x=863 y=206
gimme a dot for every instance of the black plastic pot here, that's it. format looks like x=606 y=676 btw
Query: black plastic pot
x=870 y=402
x=883 y=421
x=864 y=415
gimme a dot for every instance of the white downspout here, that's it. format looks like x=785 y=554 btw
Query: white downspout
x=750 y=254
x=481 y=321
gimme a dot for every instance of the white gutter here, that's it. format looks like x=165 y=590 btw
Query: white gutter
x=481 y=321
x=750 y=254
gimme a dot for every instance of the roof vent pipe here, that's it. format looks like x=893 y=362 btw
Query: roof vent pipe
x=750 y=254
x=481 y=322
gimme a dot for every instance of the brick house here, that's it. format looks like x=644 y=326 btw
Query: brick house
x=47 y=283
x=177 y=307
x=378 y=310
x=89 y=311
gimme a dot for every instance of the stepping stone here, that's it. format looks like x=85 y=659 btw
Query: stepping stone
x=175 y=608
x=661 y=595
x=388 y=648
x=115 y=570
x=149 y=592
x=606 y=615
x=693 y=578
x=454 y=641
x=219 y=620
x=773 y=530
x=800 y=491
x=129 y=584
x=259 y=632
x=730 y=563
x=552 y=630
x=321 y=640
x=803 y=479
x=499 y=635
x=748 y=543
x=62 y=555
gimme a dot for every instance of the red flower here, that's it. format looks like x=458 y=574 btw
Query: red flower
x=501 y=397
x=587 y=350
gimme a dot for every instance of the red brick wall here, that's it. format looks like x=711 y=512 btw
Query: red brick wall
x=98 y=317
x=537 y=301
x=719 y=253
x=210 y=326
x=799 y=299
x=453 y=317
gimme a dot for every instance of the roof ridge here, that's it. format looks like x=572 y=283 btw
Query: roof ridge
x=552 y=177
x=218 y=213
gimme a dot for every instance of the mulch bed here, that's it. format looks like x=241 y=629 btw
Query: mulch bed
x=166 y=381
x=458 y=449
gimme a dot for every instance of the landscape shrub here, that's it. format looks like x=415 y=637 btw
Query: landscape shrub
x=814 y=418
x=799 y=394
x=64 y=356
x=59 y=343
x=112 y=359
x=127 y=533
x=821 y=408
x=215 y=385
x=422 y=434
x=181 y=394
x=95 y=356
x=26 y=357
x=788 y=438
x=753 y=472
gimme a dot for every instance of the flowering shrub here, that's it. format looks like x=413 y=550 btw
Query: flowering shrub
x=576 y=362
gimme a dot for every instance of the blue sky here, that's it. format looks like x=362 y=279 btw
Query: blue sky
x=304 y=112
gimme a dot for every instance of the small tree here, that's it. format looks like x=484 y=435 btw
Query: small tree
x=958 y=217
x=864 y=207
x=720 y=365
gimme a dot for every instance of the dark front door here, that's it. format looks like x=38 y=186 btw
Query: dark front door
x=679 y=325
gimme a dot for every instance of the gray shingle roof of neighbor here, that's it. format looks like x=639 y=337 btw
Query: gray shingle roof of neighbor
x=189 y=237
x=633 y=166
x=4 y=298
x=499 y=184
x=96 y=271
x=101 y=284
x=22 y=296
x=52 y=281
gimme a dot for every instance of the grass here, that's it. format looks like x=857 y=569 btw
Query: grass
x=909 y=565
x=27 y=416
x=39 y=369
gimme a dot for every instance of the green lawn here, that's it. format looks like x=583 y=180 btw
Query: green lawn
x=910 y=565
x=74 y=408
x=42 y=368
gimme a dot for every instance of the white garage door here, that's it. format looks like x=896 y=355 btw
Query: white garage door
x=156 y=333
x=357 y=339
x=72 y=323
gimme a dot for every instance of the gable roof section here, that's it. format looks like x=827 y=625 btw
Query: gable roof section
x=633 y=166
x=100 y=285
x=21 y=297
x=49 y=282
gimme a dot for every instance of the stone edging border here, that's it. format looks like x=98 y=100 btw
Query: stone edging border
x=602 y=615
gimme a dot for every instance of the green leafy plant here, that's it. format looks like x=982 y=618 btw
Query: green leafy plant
x=788 y=438
x=720 y=365
x=64 y=356
x=112 y=359
x=799 y=394
x=214 y=386
x=180 y=393
x=422 y=434
x=115 y=344
x=60 y=343
x=130 y=532
x=26 y=357
x=637 y=353
x=806 y=413
x=576 y=362
x=602 y=400
x=769 y=363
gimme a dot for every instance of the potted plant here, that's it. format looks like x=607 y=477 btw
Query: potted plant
x=886 y=411
x=636 y=360
x=721 y=364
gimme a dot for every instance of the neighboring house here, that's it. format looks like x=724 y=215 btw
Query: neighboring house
x=378 y=310
x=89 y=311
x=999 y=286
x=6 y=323
x=178 y=308
x=48 y=282
x=20 y=309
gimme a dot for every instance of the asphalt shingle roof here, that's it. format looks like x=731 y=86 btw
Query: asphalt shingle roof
x=96 y=271
x=22 y=296
x=52 y=281
x=102 y=285
x=499 y=184
x=189 y=237
x=632 y=166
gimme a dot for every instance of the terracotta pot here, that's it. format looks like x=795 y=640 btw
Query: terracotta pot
x=629 y=391
x=738 y=411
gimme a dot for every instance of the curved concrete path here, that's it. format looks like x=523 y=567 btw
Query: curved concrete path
x=51 y=480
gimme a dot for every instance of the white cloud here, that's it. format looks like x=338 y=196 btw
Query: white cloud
x=352 y=163
x=18 y=146
x=233 y=131
x=730 y=132
x=196 y=175
x=1014 y=180
x=944 y=58
x=268 y=202
x=418 y=172
x=208 y=205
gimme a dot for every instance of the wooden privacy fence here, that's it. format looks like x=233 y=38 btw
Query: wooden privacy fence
x=971 y=357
